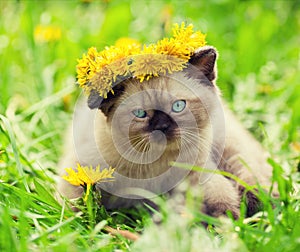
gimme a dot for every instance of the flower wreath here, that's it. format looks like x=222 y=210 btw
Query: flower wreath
x=98 y=71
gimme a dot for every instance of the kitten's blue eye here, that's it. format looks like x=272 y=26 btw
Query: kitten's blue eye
x=140 y=113
x=178 y=106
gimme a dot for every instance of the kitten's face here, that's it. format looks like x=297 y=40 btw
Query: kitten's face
x=166 y=119
x=156 y=120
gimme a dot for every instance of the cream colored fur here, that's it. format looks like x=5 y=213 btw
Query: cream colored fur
x=222 y=143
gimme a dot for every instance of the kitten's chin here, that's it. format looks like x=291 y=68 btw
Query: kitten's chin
x=157 y=137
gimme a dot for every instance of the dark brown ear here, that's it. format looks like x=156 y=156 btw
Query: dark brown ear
x=94 y=100
x=105 y=105
x=205 y=60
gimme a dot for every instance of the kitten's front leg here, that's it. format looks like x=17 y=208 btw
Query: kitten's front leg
x=219 y=196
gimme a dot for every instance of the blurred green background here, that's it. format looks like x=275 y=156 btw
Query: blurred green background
x=40 y=42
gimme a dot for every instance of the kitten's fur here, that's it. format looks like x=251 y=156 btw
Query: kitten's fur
x=210 y=144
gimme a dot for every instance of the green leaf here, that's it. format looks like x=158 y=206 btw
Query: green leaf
x=284 y=186
x=15 y=150
x=45 y=196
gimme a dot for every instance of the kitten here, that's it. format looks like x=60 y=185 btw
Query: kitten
x=143 y=128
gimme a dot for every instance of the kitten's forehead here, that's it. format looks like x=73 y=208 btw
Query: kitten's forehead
x=181 y=87
x=165 y=89
x=149 y=98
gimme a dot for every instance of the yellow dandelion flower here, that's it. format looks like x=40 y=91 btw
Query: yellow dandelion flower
x=1 y=152
x=182 y=32
x=187 y=36
x=170 y=64
x=183 y=44
x=127 y=42
x=174 y=48
x=295 y=146
x=265 y=89
x=47 y=33
x=146 y=66
x=98 y=71
x=88 y=66
x=150 y=49
x=102 y=82
x=72 y=177
x=87 y=176
x=120 y=67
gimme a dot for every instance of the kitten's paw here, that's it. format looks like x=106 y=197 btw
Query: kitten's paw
x=252 y=202
x=220 y=209
x=221 y=196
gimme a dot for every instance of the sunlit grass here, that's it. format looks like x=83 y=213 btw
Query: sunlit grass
x=258 y=75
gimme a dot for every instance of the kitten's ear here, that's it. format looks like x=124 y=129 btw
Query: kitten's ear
x=204 y=59
x=105 y=105
x=94 y=100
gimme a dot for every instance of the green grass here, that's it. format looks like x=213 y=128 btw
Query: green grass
x=258 y=43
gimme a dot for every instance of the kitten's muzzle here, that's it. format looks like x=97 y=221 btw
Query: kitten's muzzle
x=162 y=122
x=157 y=136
